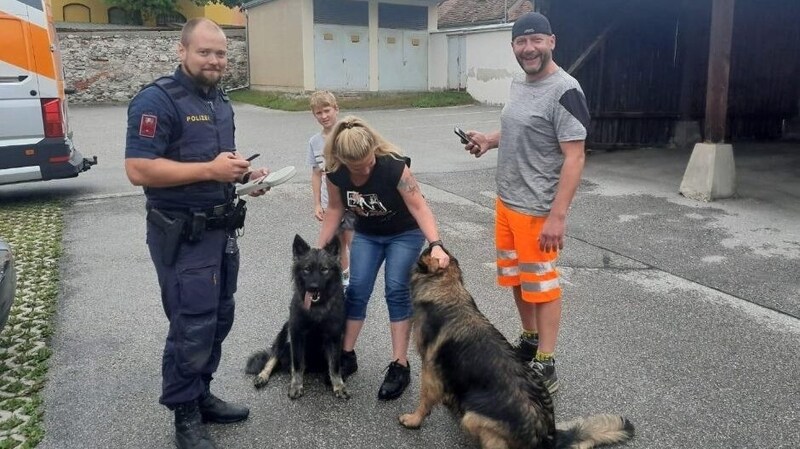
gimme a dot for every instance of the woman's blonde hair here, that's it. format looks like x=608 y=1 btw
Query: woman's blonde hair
x=352 y=140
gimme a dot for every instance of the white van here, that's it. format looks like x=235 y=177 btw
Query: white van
x=35 y=140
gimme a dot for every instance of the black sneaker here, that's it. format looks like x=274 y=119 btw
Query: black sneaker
x=394 y=384
x=348 y=364
x=547 y=371
x=525 y=348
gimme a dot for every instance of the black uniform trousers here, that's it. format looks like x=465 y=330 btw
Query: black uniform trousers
x=197 y=296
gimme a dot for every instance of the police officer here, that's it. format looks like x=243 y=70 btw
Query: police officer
x=180 y=148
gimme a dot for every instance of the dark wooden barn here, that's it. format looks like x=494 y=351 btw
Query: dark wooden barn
x=644 y=65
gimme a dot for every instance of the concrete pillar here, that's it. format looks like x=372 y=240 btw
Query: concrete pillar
x=711 y=173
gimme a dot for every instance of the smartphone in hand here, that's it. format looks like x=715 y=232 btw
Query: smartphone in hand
x=460 y=133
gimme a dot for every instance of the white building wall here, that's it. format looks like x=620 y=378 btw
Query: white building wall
x=490 y=66
x=437 y=61
x=490 y=63
x=307 y=25
x=276 y=46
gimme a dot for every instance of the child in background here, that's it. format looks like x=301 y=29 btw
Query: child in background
x=326 y=110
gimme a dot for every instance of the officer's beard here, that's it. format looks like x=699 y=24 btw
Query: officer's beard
x=201 y=80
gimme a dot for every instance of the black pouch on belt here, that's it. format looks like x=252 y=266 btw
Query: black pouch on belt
x=197 y=227
x=173 y=229
x=237 y=215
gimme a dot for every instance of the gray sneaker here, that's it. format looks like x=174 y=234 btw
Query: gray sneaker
x=547 y=371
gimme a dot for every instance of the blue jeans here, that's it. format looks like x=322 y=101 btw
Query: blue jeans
x=367 y=254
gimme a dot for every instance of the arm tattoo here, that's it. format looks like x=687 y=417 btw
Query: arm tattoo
x=408 y=184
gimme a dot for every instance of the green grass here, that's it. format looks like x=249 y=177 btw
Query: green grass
x=351 y=101
x=33 y=230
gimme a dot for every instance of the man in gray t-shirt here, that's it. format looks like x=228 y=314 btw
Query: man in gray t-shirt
x=541 y=155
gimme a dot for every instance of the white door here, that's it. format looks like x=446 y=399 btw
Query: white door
x=457 y=62
x=341 y=57
x=402 y=59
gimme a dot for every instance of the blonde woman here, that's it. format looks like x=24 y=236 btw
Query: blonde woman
x=368 y=176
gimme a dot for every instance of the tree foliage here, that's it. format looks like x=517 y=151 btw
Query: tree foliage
x=154 y=8
x=228 y=3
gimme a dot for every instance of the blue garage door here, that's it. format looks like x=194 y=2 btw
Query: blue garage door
x=402 y=47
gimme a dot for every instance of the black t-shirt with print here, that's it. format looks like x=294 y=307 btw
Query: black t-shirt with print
x=377 y=204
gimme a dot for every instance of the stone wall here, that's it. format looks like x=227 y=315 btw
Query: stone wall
x=110 y=67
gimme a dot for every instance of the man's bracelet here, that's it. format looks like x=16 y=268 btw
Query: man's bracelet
x=246 y=177
x=436 y=243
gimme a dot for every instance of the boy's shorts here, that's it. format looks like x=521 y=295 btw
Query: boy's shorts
x=520 y=262
x=348 y=221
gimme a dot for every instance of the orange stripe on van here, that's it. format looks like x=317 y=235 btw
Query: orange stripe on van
x=42 y=61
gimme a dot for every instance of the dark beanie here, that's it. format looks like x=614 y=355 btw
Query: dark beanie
x=530 y=23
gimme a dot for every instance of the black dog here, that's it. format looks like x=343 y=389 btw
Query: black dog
x=312 y=338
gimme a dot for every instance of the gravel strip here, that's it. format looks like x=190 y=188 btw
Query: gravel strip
x=33 y=230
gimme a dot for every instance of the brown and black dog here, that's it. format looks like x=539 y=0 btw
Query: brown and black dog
x=469 y=366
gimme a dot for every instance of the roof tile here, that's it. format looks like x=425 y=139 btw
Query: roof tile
x=459 y=13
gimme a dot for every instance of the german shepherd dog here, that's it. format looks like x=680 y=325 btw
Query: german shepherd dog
x=469 y=366
x=312 y=337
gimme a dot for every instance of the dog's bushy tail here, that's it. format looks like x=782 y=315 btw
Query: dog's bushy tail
x=595 y=430
x=256 y=362
x=279 y=348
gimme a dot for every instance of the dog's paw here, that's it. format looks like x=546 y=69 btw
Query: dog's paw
x=260 y=381
x=295 y=391
x=341 y=393
x=411 y=420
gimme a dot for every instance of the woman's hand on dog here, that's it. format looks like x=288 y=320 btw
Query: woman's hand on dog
x=441 y=257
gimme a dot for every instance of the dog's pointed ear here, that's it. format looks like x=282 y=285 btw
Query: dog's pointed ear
x=332 y=247
x=422 y=267
x=299 y=247
x=422 y=260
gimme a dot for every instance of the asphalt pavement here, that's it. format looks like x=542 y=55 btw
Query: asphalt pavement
x=682 y=316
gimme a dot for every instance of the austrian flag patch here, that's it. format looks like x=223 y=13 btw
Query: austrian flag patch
x=147 y=127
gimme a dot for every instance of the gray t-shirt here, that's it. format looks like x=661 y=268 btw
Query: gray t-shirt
x=316 y=159
x=535 y=119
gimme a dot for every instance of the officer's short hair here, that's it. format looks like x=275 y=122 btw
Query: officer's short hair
x=322 y=99
x=189 y=26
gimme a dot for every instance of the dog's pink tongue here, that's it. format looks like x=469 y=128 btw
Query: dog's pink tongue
x=307 y=300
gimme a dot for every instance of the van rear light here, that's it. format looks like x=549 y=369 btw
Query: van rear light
x=52 y=117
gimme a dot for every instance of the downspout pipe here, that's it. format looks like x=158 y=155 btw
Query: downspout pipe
x=246 y=51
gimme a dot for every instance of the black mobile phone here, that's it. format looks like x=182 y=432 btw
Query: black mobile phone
x=460 y=133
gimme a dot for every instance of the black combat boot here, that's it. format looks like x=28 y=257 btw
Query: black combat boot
x=189 y=430
x=214 y=409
